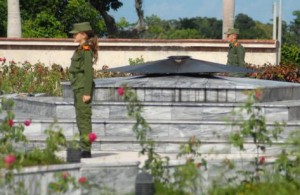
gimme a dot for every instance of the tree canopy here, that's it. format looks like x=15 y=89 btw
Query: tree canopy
x=54 y=18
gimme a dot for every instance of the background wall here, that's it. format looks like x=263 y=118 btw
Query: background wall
x=116 y=52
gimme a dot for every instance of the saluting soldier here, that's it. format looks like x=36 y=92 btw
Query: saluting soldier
x=81 y=78
x=236 y=52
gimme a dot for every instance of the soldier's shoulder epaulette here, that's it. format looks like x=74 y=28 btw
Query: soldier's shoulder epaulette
x=236 y=44
x=86 y=47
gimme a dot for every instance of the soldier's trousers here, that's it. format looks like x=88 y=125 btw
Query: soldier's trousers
x=83 y=119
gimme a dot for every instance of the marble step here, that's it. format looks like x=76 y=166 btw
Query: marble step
x=63 y=108
x=123 y=128
x=208 y=146
x=183 y=88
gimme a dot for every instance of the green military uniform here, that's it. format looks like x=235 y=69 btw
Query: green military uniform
x=81 y=77
x=236 y=54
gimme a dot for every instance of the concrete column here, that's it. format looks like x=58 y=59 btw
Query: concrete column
x=228 y=15
x=13 y=19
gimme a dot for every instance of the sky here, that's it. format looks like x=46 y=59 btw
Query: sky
x=259 y=10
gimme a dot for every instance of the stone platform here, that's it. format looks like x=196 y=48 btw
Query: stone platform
x=176 y=108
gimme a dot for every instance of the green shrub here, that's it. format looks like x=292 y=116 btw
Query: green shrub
x=290 y=54
x=288 y=72
x=136 y=61
x=28 y=78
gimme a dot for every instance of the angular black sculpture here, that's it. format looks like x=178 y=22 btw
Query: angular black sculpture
x=180 y=65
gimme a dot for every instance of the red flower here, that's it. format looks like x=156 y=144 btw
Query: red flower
x=65 y=175
x=82 y=180
x=27 y=122
x=258 y=94
x=92 y=137
x=121 y=91
x=262 y=160
x=9 y=159
x=10 y=122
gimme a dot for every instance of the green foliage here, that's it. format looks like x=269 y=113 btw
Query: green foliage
x=22 y=78
x=282 y=175
x=254 y=126
x=38 y=16
x=136 y=61
x=54 y=19
x=288 y=162
x=206 y=27
x=10 y=133
x=63 y=183
x=83 y=11
x=261 y=188
x=3 y=16
x=37 y=78
x=249 y=29
x=44 y=25
x=122 y=24
x=186 y=28
x=186 y=178
x=16 y=156
x=291 y=35
x=289 y=73
x=290 y=54
x=183 y=34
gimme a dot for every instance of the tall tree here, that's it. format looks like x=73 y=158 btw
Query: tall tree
x=13 y=19
x=292 y=36
x=3 y=16
x=103 y=7
x=55 y=18
x=249 y=29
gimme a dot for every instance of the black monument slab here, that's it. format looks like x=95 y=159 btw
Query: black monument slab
x=180 y=65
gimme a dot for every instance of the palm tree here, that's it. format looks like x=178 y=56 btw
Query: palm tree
x=228 y=15
x=13 y=19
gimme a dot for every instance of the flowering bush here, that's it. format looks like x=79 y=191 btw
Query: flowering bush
x=28 y=78
x=289 y=73
x=281 y=177
x=185 y=179
x=64 y=182
x=37 y=78
x=15 y=157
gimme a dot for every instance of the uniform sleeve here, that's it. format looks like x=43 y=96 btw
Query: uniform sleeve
x=241 y=56
x=88 y=72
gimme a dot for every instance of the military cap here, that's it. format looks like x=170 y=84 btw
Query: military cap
x=232 y=31
x=81 y=27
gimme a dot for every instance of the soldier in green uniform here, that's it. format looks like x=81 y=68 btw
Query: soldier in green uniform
x=236 y=52
x=81 y=78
